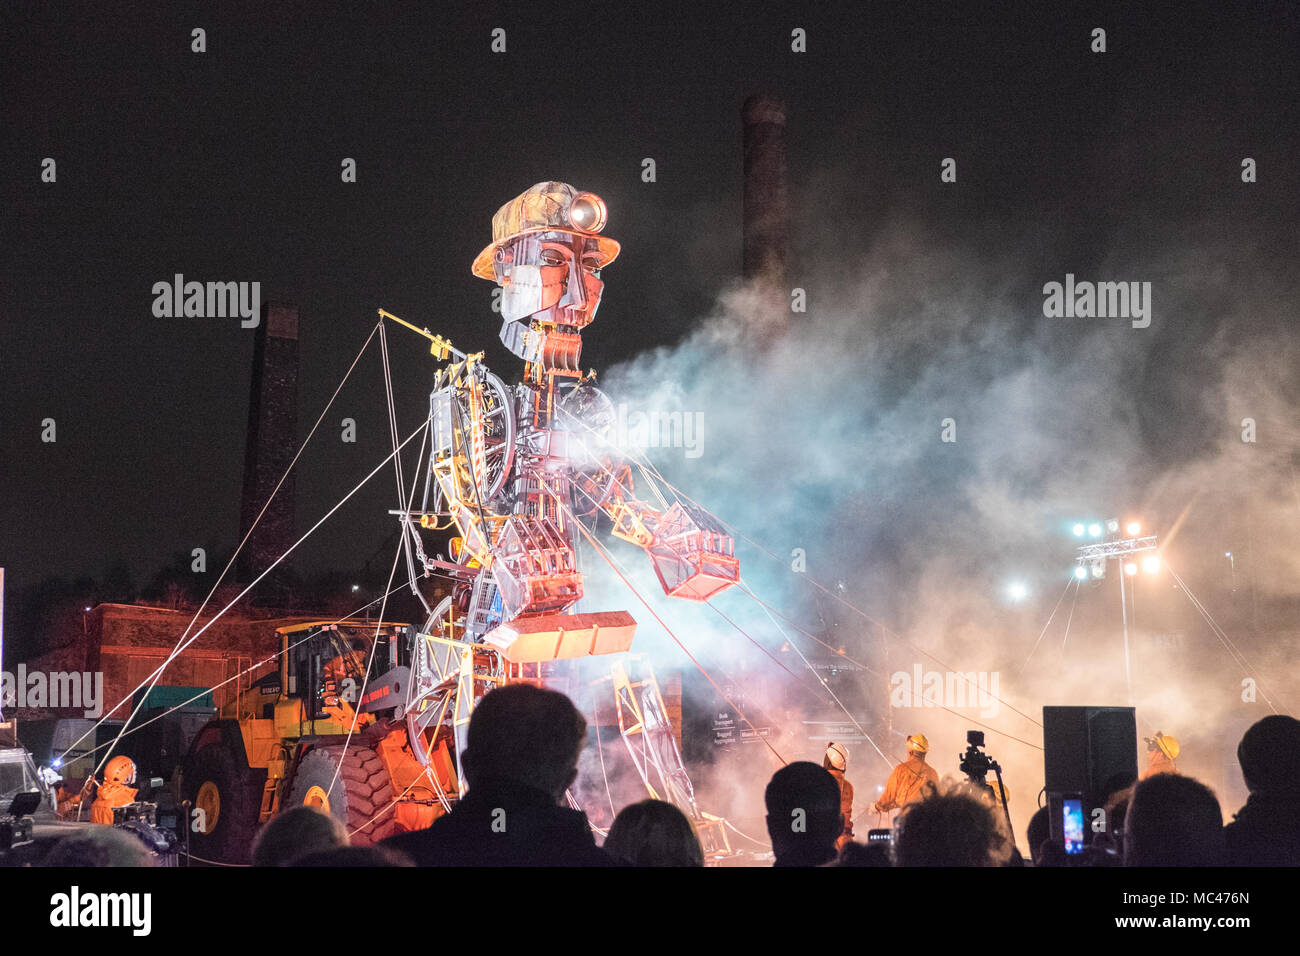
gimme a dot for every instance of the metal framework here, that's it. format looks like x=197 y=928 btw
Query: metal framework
x=1118 y=548
x=511 y=467
x=648 y=734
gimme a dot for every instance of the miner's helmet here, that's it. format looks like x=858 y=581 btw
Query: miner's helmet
x=918 y=743
x=548 y=207
x=121 y=769
x=837 y=757
x=1167 y=745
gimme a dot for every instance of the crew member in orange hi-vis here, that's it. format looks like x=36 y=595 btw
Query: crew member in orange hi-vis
x=912 y=780
x=836 y=762
x=1162 y=751
x=115 y=791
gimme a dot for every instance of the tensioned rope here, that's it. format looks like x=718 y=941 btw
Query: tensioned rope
x=153 y=678
x=1051 y=617
x=251 y=668
x=885 y=628
x=600 y=549
x=1238 y=658
x=374 y=644
x=181 y=647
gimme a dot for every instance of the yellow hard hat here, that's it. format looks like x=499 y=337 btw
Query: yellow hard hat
x=918 y=743
x=548 y=207
x=1168 y=745
x=121 y=769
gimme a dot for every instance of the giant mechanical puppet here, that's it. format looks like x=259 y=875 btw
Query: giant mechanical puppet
x=514 y=469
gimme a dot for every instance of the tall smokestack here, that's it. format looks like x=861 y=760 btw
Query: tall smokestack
x=272 y=441
x=767 y=206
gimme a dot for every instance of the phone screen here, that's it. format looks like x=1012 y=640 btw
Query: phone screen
x=1073 y=825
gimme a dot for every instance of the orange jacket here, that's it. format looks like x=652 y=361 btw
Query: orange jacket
x=846 y=807
x=1158 y=763
x=110 y=795
x=909 y=782
x=846 y=799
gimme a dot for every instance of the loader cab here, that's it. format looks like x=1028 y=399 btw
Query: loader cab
x=322 y=664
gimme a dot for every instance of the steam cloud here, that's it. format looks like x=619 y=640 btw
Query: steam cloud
x=822 y=431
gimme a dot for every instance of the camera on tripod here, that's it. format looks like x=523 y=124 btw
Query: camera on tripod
x=975 y=763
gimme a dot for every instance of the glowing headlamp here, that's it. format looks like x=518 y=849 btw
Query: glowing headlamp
x=587 y=212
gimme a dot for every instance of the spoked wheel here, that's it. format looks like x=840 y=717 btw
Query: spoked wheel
x=487 y=426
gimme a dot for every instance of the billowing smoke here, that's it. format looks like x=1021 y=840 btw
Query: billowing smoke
x=922 y=438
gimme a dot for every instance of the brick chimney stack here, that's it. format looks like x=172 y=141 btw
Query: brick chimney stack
x=272 y=441
x=766 y=203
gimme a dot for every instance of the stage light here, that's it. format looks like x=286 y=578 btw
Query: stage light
x=1094 y=530
x=1130 y=569
x=1078 y=531
x=1081 y=572
x=1018 y=591
x=356 y=588
x=56 y=763
x=1151 y=564
x=1099 y=567
x=1113 y=525
x=1133 y=528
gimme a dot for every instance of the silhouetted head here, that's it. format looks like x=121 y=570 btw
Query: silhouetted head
x=956 y=828
x=803 y=814
x=525 y=735
x=355 y=856
x=297 y=832
x=1173 y=820
x=99 y=846
x=1039 y=832
x=865 y=855
x=1269 y=754
x=1117 y=782
x=653 y=833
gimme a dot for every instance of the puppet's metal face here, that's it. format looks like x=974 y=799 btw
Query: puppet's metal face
x=553 y=277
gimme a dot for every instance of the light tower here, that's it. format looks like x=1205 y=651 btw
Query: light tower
x=1118 y=547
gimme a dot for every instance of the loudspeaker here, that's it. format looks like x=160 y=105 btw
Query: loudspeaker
x=1089 y=750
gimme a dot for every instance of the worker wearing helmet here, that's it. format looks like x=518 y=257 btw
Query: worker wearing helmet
x=1162 y=751
x=115 y=791
x=836 y=761
x=912 y=780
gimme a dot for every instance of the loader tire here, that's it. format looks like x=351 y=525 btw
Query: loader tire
x=361 y=797
x=215 y=783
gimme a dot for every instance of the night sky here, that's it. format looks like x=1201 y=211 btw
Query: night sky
x=225 y=166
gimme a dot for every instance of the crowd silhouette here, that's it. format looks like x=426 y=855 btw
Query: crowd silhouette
x=522 y=755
